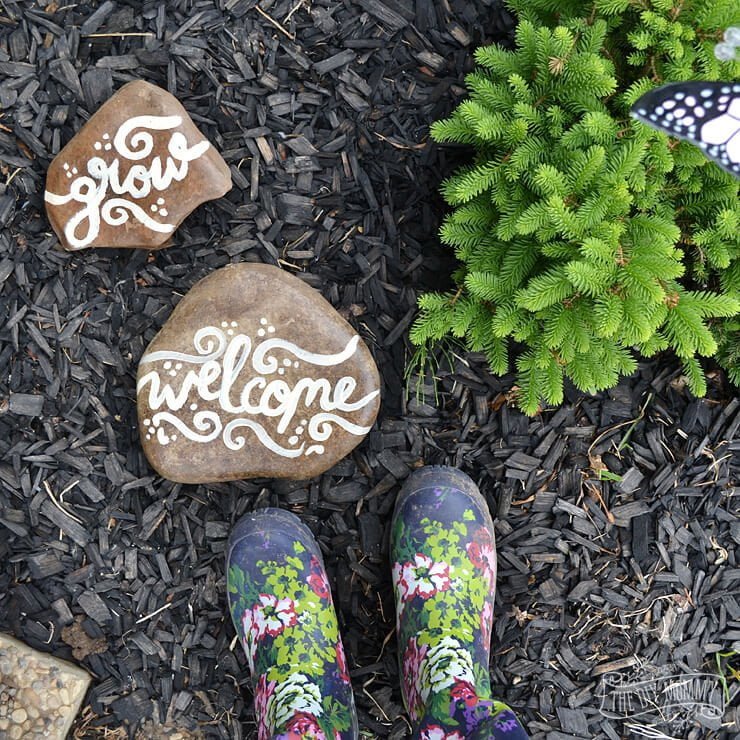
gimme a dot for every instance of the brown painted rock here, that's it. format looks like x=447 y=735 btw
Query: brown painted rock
x=133 y=173
x=254 y=375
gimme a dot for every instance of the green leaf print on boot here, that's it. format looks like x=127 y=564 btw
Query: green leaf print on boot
x=444 y=576
x=282 y=609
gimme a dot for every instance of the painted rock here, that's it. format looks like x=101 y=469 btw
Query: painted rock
x=133 y=173
x=254 y=375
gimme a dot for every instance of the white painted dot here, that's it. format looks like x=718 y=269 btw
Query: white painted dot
x=287 y=362
x=660 y=110
x=163 y=212
x=263 y=321
x=167 y=365
x=304 y=422
x=679 y=112
x=687 y=121
x=160 y=201
x=224 y=324
x=230 y=332
x=281 y=371
x=680 y=96
x=234 y=324
x=69 y=174
x=690 y=100
x=260 y=332
x=724 y=98
x=271 y=329
x=292 y=440
x=706 y=93
x=178 y=366
x=299 y=430
x=173 y=373
x=193 y=406
x=66 y=166
x=148 y=436
x=147 y=422
x=174 y=438
x=108 y=147
x=106 y=136
x=152 y=208
x=295 y=364
x=699 y=111
x=669 y=104
x=98 y=145
x=725 y=89
x=653 y=117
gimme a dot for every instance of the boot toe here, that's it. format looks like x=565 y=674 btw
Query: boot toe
x=270 y=529
x=442 y=493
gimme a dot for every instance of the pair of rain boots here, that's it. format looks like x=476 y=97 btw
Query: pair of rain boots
x=444 y=576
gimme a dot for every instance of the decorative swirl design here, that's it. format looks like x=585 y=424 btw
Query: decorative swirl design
x=116 y=212
x=207 y=422
x=209 y=342
x=320 y=429
x=239 y=442
x=143 y=141
x=268 y=364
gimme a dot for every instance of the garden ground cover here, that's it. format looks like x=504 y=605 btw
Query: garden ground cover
x=617 y=520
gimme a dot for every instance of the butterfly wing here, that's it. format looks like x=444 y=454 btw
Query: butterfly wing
x=705 y=113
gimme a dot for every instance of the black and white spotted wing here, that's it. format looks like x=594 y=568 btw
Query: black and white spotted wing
x=705 y=113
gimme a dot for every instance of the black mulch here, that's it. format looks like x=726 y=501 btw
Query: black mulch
x=617 y=520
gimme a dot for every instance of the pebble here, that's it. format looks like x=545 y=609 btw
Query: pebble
x=39 y=694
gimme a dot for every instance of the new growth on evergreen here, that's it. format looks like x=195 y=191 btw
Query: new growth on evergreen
x=585 y=237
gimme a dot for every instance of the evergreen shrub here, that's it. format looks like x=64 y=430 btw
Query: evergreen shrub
x=585 y=237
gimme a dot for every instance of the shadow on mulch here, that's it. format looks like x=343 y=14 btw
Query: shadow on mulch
x=617 y=520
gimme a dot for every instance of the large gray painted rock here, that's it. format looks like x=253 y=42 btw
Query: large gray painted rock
x=254 y=375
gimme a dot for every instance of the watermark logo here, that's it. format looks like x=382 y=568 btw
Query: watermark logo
x=655 y=701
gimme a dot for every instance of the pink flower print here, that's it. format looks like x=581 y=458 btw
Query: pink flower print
x=342 y=663
x=486 y=622
x=483 y=556
x=422 y=577
x=302 y=726
x=263 y=692
x=464 y=691
x=317 y=580
x=436 y=732
x=413 y=657
x=272 y=615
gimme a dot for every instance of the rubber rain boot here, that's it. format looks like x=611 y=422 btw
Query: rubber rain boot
x=282 y=609
x=443 y=555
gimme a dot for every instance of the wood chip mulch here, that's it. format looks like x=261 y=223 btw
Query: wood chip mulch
x=617 y=517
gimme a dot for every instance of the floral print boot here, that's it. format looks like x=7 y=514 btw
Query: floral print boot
x=444 y=576
x=282 y=608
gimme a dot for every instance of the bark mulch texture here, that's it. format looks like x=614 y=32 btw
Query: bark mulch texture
x=616 y=524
